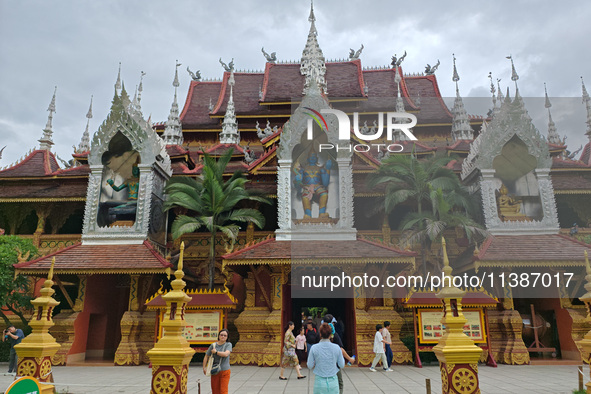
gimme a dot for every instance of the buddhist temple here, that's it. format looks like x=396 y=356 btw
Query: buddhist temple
x=102 y=215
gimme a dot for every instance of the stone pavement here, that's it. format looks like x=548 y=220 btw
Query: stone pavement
x=245 y=380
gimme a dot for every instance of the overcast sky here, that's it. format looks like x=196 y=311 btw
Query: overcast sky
x=77 y=46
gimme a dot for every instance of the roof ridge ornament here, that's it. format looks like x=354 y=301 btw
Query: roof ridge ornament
x=195 y=76
x=313 y=64
x=492 y=91
x=587 y=102
x=228 y=67
x=118 y=82
x=354 y=55
x=272 y=58
x=230 y=133
x=553 y=136
x=84 y=145
x=460 y=129
x=46 y=142
x=514 y=78
x=173 y=132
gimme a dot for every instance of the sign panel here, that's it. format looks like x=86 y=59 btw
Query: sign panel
x=24 y=385
x=431 y=329
x=202 y=327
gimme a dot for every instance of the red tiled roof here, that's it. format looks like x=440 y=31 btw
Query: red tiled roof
x=82 y=170
x=176 y=150
x=460 y=145
x=220 y=149
x=570 y=181
x=558 y=162
x=99 y=259
x=37 y=164
x=196 y=110
x=199 y=300
x=283 y=82
x=361 y=249
x=246 y=94
x=538 y=248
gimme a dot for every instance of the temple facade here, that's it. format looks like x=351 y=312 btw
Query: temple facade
x=101 y=215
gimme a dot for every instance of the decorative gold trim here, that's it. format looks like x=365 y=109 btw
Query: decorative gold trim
x=53 y=199
x=530 y=263
x=313 y=261
x=583 y=191
x=91 y=271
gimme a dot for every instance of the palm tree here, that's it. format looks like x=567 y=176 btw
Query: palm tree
x=407 y=179
x=211 y=202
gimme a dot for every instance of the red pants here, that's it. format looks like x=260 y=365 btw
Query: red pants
x=220 y=382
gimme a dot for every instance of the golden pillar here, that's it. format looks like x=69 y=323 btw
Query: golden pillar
x=171 y=355
x=36 y=350
x=585 y=343
x=457 y=354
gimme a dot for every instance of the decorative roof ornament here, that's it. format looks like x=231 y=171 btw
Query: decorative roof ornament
x=173 y=131
x=140 y=89
x=46 y=142
x=514 y=78
x=313 y=64
x=431 y=70
x=553 y=136
x=460 y=129
x=195 y=76
x=272 y=58
x=84 y=145
x=230 y=133
x=493 y=90
x=228 y=67
x=210 y=107
x=118 y=82
x=500 y=96
x=587 y=102
x=397 y=62
x=354 y=55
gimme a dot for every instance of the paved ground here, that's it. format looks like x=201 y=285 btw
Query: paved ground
x=246 y=380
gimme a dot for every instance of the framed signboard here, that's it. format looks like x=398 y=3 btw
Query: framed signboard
x=201 y=327
x=431 y=329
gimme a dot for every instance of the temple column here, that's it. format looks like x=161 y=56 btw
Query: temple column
x=42 y=211
x=272 y=352
x=127 y=352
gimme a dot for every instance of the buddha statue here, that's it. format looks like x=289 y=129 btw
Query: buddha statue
x=509 y=207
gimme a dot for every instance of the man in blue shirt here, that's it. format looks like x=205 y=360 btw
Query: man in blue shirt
x=14 y=336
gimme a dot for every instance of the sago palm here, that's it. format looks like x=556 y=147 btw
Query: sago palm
x=211 y=202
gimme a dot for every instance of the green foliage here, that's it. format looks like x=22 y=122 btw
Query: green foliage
x=211 y=202
x=14 y=291
x=586 y=239
x=579 y=392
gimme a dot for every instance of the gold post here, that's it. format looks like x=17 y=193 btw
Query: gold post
x=457 y=354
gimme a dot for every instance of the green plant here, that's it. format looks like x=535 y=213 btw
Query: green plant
x=14 y=290
x=212 y=203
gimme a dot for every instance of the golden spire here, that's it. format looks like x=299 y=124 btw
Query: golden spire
x=180 y=264
x=50 y=274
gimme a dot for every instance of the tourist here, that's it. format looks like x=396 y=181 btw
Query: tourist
x=318 y=319
x=336 y=339
x=380 y=350
x=289 y=358
x=301 y=347
x=388 y=342
x=14 y=336
x=312 y=336
x=220 y=351
x=326 y=360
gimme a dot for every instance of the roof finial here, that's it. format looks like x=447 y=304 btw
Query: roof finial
x=140 y=89
x=514 y=76
x=460 y=129
x=50 y=273
x=118 y=82
x=492 y=90
x=84 y=145
x=553 y=136
x=499 y=92
x=230 y=133
x=173 y=132
x=587 y=102
x=313 y=64
x=46 y=142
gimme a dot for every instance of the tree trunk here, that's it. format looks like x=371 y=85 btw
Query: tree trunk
x=212 y=259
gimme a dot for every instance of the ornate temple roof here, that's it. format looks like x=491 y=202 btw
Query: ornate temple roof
x=99 y=259
x=270 y=251
x=531 y=249
x=200 y=299
x=38 y=163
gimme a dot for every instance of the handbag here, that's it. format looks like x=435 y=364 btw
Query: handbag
x=210 y=369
